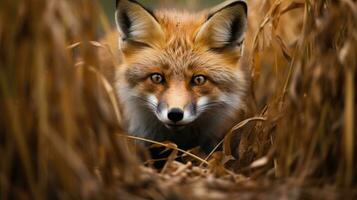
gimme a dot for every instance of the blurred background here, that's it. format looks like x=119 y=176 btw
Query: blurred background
x=109 y=5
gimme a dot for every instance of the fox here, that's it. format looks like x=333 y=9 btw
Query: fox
x=180 y=77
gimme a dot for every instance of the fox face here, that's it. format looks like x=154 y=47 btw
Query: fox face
x=180 y=77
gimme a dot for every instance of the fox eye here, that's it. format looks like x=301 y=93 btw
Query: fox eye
x=157 y=78
x=199 y=80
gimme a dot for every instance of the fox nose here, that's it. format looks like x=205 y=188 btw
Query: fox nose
x=175 y=114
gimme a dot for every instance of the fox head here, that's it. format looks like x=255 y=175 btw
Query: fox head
x=178 y=66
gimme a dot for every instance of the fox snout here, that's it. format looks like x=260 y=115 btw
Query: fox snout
x=173 y=116
x=176 y=108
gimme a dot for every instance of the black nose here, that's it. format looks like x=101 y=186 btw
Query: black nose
x=175 y=114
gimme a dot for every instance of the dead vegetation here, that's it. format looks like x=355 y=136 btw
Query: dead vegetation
x=60 y=134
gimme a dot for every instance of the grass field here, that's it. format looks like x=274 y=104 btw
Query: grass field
x=60 y=133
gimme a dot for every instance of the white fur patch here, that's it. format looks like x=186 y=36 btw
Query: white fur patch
x=163 y=115
x=153 y=100
x=202 y=101
x=188 y=117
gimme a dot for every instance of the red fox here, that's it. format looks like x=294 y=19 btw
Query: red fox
x=180 y=77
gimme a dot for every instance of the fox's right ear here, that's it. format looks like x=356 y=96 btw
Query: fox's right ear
x=135 y=23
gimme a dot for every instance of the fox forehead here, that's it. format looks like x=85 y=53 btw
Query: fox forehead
x=180 y=27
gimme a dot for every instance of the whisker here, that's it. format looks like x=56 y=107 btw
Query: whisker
x=143 y=99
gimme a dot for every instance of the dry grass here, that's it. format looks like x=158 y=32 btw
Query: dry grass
x=60 y=126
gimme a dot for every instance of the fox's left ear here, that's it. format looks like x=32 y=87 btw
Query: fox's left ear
x=225 y=25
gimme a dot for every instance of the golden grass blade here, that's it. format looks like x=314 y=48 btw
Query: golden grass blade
x=164 y=145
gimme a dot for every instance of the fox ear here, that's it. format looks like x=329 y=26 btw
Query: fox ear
x=225 y=25
x=135 y=23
